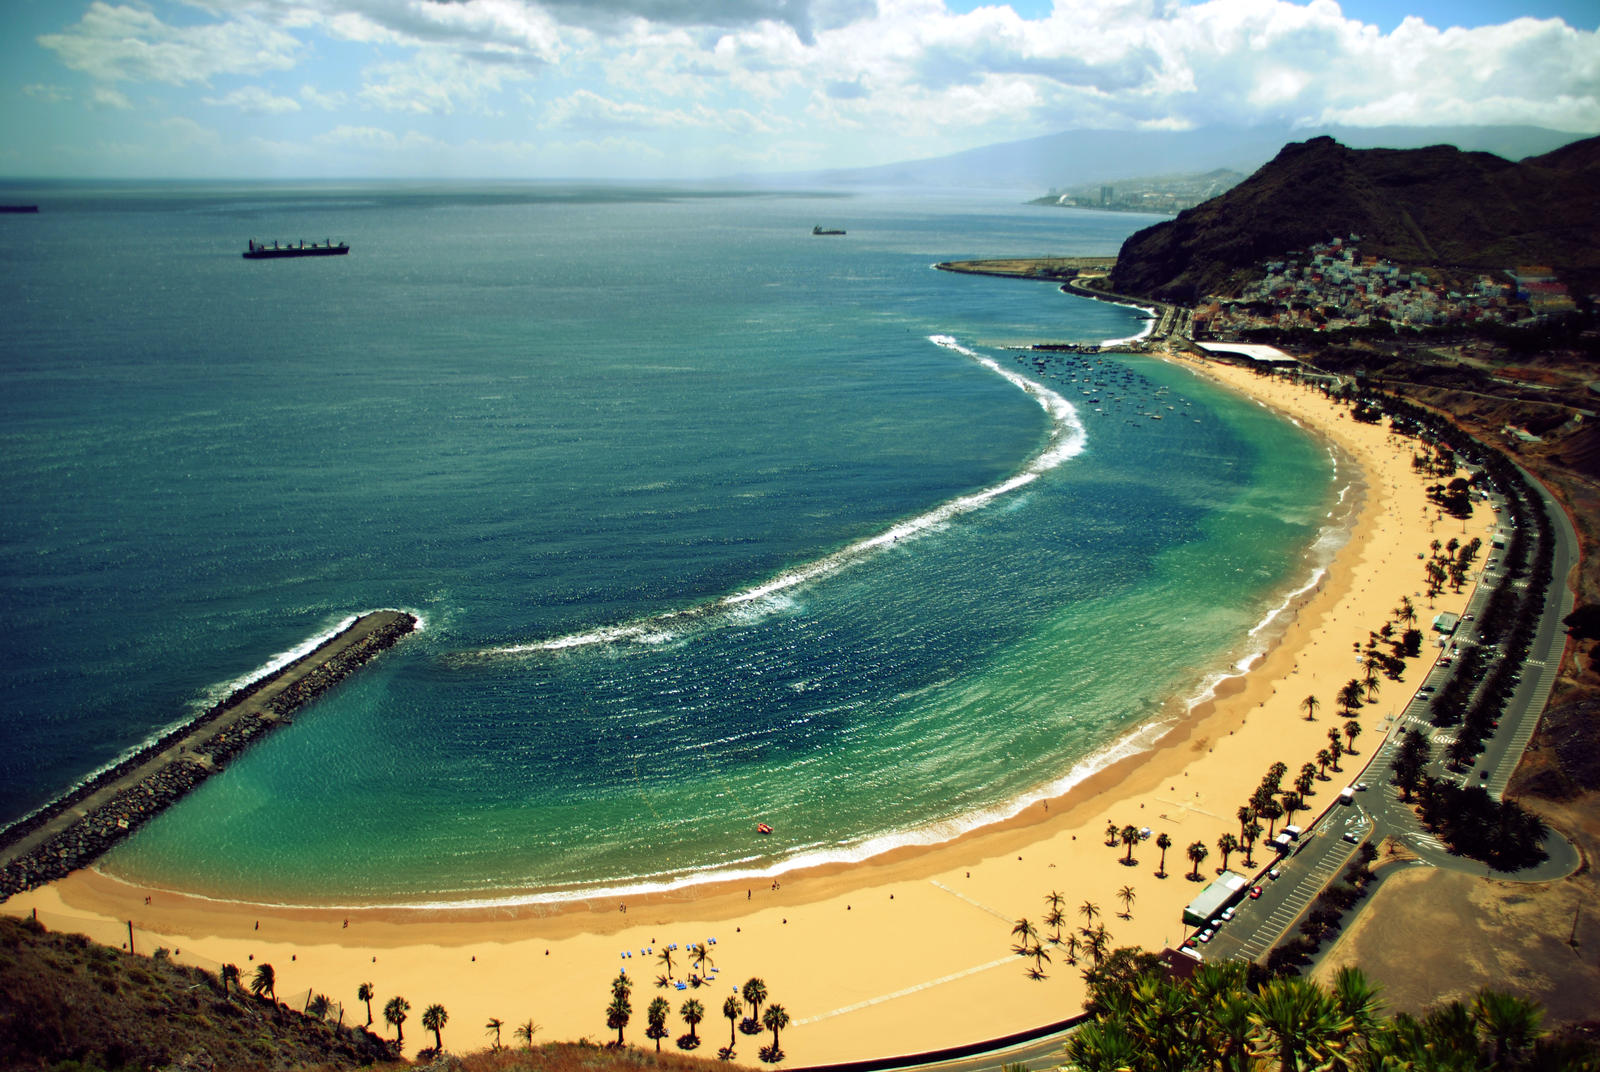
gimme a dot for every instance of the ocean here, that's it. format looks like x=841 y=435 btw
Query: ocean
x=709 y=522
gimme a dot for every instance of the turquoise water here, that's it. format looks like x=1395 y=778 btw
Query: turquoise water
x=709 y=521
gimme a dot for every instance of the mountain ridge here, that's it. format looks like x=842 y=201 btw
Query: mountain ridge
x=1436 y=205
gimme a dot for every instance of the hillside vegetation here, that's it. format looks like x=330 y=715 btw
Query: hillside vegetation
x=1432 y=206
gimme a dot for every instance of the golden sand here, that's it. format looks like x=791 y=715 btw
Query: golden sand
x=903 y=953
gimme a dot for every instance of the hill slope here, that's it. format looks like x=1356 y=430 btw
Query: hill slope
x=1436 y=205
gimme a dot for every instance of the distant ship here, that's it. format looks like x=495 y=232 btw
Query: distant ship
x=824 y=230
x=19 y=208
x=262 y=252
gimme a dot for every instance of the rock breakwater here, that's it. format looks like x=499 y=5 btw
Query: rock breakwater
x=75 y=829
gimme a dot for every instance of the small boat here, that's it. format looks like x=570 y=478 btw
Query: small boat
x=820 y=230
x=763 y=828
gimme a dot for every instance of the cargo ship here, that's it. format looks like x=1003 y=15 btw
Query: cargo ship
x=821 y=230
x=264 y=252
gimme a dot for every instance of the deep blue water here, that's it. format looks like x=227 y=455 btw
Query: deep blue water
x=573 y=428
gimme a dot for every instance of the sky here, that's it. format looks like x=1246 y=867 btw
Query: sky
x=685 y=89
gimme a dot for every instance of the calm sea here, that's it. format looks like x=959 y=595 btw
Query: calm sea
x=711 y=522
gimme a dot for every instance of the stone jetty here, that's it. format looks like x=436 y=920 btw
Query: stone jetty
x=74 y=830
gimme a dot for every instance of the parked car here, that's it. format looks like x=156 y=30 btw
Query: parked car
x=1255 y=892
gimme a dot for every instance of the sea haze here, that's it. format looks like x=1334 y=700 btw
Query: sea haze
x=710 y=522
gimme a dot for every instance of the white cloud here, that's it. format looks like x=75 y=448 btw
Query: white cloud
x=328 y=102
x=255 y=100
x=106 y=97
x=437 y=82
x=45 y=92
x=113 y=43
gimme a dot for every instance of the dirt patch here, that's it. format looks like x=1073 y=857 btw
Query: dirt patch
x=1430 y=936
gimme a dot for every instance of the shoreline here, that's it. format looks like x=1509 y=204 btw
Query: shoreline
x=908 y=950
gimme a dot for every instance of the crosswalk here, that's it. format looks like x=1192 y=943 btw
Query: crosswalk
x=1307 y=883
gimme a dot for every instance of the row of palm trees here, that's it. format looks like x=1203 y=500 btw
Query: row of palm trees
x=775 y=1019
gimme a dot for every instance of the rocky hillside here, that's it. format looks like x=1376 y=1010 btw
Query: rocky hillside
x=64 y=999
x=1432 y=206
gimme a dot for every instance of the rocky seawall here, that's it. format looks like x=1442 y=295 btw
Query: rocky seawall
x=74 y=830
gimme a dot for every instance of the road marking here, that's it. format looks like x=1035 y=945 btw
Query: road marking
x=975 y=904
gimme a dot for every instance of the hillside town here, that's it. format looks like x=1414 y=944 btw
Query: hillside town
x=1333 y=287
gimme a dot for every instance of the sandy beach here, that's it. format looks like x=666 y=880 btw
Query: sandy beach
x=903 y=953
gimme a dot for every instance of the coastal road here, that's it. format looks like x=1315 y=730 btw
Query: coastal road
x=1377 y=811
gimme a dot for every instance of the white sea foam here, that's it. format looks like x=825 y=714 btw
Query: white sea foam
x=1144 y=333
x=1068 y=438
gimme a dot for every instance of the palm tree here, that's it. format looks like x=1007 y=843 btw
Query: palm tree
x=1197 y=854
x=1041 y=957
x=656 y=1016
x=693 y=1012
x=1292 y=802
x=1111 y=833
x=263 y=984
x=433 y=1019
x=732 y=1009
x=492 y=1027
x=1244 y=815
x=1352 y=730
x=754 y=992
x=1251 y=833
x=1509 y=1022
x=1054 y=919
x=394 y=1014
x=1027 y=937
x=1311 y=703
x=1227 y=844
x=1163 y=842
x=1072 y=949
x=230 y=974
x=775 y=1020
x=1088 y=910
x=1335 y=749
x=1306 y=779
x=1271 y=811
x=1127 y=897
x=1324 y=757
x=1130 y=838
x=1296 y=1018
x=1350 y=696
x=700 y=956
x=525 y=1032
x=364 y=993
x=665 y=957
x=618 y=1013
x=317 y=1008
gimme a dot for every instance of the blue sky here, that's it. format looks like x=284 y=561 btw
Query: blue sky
x=694 y=88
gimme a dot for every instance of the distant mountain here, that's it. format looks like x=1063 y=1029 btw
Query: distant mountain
x=1436 y=205
x=1094 y=156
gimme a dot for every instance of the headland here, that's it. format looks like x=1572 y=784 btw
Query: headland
x=72 y=831
x=912 y=950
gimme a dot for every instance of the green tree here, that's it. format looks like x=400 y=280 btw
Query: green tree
x=1350 y=696
x=1311 y=703
x=1130 y=838
x=1324 y=757
x=1163 y=842
x=317 y=1008
x=656 y=1017
x=692 y=1012
x=365 y=993
x=1111 y=834
x=1510 y=1024
x=263 y=984
x=1227 y=844
x=775 y=1019
x=1410 y=762
x=1306 y=779
x=1297 y=1020
x=394 y=1014
x=755 y=992
x=434 y=1018
x=1197 y=854
x=732 y=1009
x=1352 y=730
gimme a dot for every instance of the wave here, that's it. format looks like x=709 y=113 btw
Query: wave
x=1068 y=437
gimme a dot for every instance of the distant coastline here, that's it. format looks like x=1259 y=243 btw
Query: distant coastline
x=76 y=828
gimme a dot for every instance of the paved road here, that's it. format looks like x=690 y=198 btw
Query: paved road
x=1377 y=810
